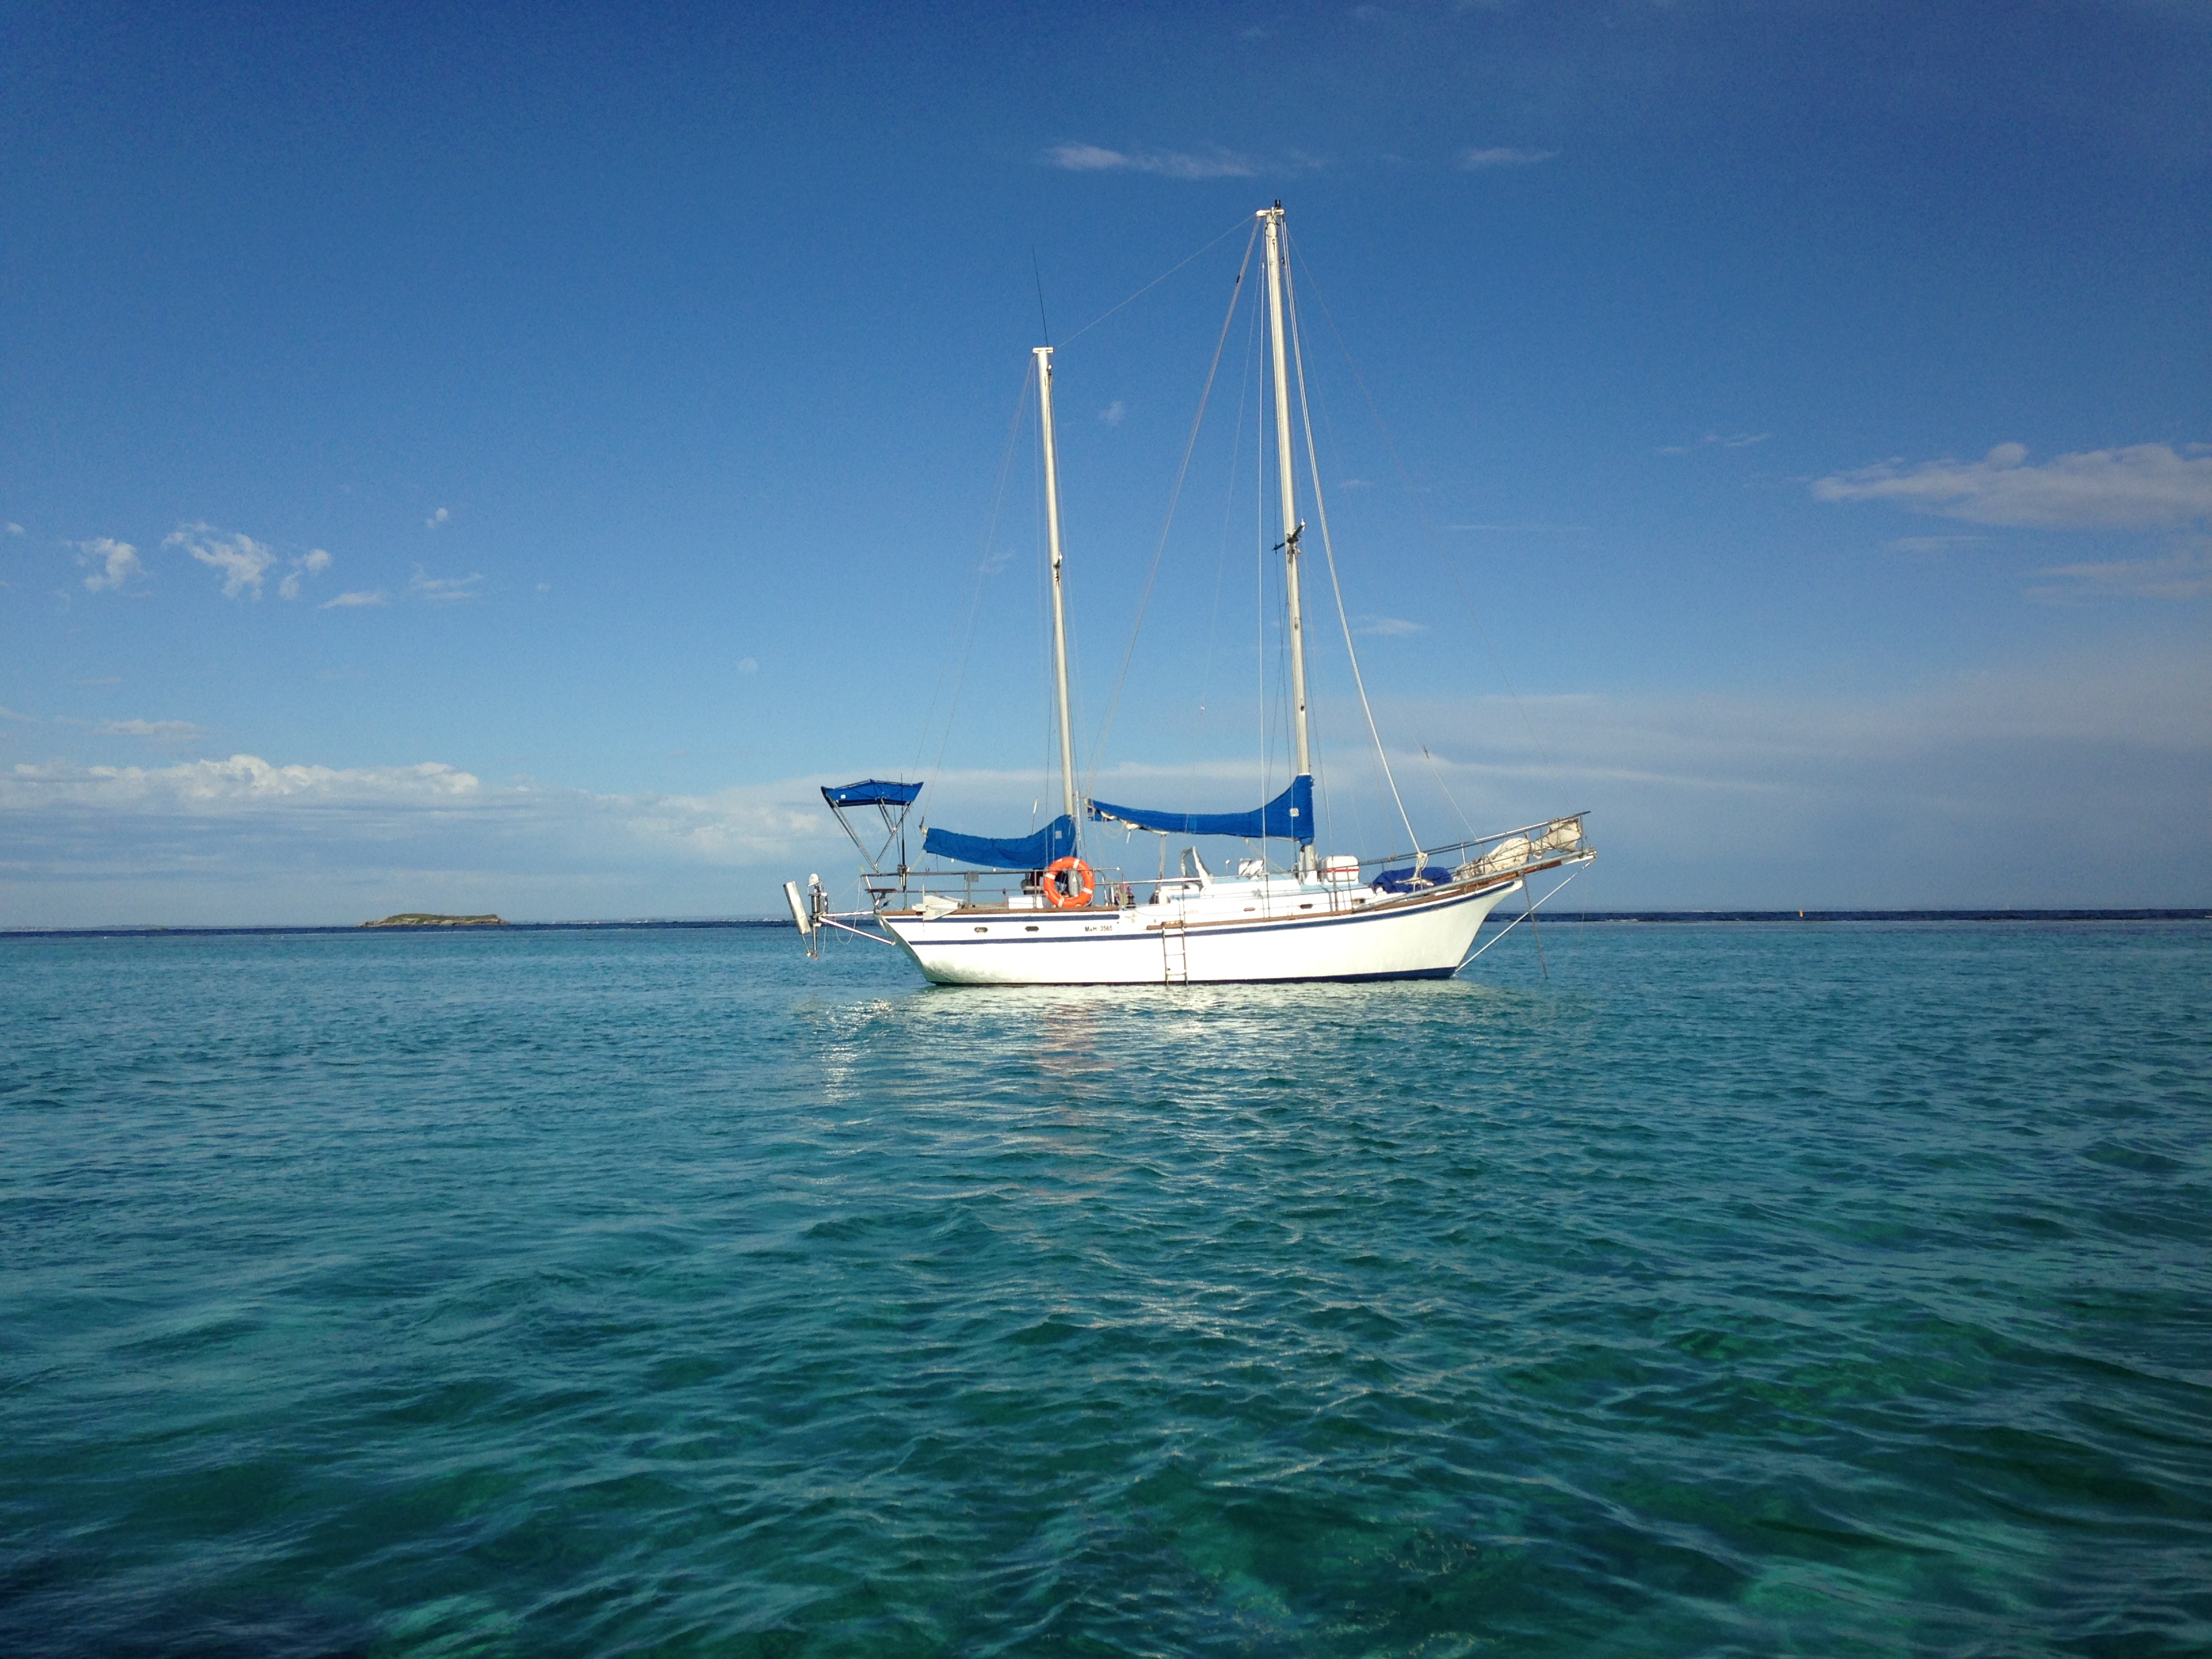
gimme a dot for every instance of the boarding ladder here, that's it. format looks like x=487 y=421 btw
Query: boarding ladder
x=1174 y=954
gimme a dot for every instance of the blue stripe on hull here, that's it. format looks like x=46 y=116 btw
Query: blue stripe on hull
x=1195 y=984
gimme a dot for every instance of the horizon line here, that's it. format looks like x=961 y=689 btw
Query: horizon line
x=1990 y=913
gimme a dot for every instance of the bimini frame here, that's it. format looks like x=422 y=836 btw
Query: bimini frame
x=892 y=802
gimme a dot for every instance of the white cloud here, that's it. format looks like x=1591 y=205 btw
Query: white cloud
x=748 y=665
x=313 y=562
x=1970 y=792
x=442 y=590
x=15 y=529
x=242 y=783
x=1967 y=792
x=246 y=563
x=1214 y=163
x=1481 y=160
x=158 y=731
x=2187 y=574
x=114 y=563
x=436 y=519
x=1725 y=441
x=320 y=842
x=544 y=588
x=2142 y=487
x=1932 y=544
x=243 y=561
x=349 y=601
x=1390 y=627
x=1115 y=413
x=10 y=715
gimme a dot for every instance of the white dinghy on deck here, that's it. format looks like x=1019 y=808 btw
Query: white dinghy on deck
x=1035 y=910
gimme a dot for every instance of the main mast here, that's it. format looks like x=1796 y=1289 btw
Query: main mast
x=1058 y=604
x=1272 y=218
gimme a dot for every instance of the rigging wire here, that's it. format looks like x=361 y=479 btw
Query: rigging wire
x=1420 y=506
x=1359 y=820
x=1527 y=916
x=1154 y=283
x=1174 y=497
x=1447 y=794
x=959 y=660
x=1328 y=551
x=1283 y=714
x=974 y=599
x=1245 y=384
x=1075 y=705
x=1317 y=725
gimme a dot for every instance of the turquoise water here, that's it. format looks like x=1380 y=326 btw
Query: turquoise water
x=1742 y=1290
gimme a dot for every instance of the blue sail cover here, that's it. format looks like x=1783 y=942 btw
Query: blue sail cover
x=1403 y=881
x=1289 y=817
x=872 y=792
x=1056 y=840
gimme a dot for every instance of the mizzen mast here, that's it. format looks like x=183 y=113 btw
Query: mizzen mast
x=1058 y=604
x=1293 y=525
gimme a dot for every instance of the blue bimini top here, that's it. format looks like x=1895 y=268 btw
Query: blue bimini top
x=871 y=792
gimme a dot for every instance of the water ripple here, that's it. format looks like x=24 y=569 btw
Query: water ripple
x=1741 y=1290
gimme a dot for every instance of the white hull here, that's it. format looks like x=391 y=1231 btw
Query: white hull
x=1232 y=932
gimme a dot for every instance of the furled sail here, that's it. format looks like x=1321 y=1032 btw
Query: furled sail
x=1289 y=817
x=1056 y=840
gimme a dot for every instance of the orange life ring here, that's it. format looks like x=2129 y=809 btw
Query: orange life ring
x=1085 y=884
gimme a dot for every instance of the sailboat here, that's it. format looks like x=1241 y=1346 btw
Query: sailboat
x=1033 y=910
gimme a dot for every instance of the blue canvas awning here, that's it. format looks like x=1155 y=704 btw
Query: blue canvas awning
x=872 y=792
x=1056 y=840
x=1289 y=817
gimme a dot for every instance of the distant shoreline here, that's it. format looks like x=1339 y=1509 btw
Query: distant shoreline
x=1568 y=917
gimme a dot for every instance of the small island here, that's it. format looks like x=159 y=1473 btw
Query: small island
x=423 y=919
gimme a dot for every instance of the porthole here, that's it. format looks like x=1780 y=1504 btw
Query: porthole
x=982 y=930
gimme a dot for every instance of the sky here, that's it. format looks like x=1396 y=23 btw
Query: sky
x=487 y=459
